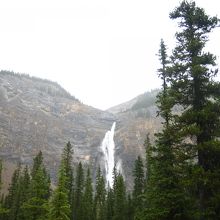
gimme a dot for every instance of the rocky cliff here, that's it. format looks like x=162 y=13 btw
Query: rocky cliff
x=37 y=114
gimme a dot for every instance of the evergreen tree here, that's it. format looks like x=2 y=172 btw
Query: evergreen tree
x=3 y=210
x=24 y=185
x=129 y=210
x=67 y=158
x=87 y=202
x=100 y=197
x=110 y=204
x=36 y=207
x=13 y=198
x=193 y=88
x=78 y=195
x=139 y=182
x=164 y=185
x=59 y=204
x=0 y=174
x=119 y=198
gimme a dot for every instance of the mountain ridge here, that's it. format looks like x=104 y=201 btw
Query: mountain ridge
x=37 y=114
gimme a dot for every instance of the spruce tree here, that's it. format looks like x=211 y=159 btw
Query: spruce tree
x=36 y=207
x=13 y=197
x=193 y=88
x=119 y=198
x=67 y=158
x=139 y=183
x=129 y=208
x=3 y=210
x=59 y=204
x=110 y=204
x=100 y=197
x=78 y=194
x=164 y=185
x=24 y=186
x=0 y=174
x=87 y=200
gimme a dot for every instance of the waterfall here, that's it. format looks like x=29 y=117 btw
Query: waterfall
x=108 y=149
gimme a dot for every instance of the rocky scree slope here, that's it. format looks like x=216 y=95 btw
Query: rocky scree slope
x=38 y=114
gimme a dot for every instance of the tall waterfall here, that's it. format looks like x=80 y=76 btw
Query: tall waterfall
x=108 y=149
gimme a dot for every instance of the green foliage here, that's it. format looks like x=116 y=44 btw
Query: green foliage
x=100 y=196
x=193 y=88
x=146 y=100
x=110 y=204
x=78 y=195
x=67 y=160
x=139 y=183
x=36 y=207
x=119 y=198
x=87 y=200
x=59 y=204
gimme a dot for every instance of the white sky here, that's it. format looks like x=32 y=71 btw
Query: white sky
x=101 y=51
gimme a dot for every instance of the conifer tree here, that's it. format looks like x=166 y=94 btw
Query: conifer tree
x=78 y=194
x=87 y=202
x=193 y=88
x=139 y=183
x=110 y=204
x=100 y=197
x=3 y=210
x=163 y=183
x=0 y=174
x=13 y=197
x=59 y=204
x=129 y=208
x=36 y=207
x=24 y=186
x=67 y=158
x=119 y=198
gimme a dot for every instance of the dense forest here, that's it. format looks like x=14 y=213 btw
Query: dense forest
x=179 y=176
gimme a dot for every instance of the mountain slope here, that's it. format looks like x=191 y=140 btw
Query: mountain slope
x=136 y=119
x=38 y=115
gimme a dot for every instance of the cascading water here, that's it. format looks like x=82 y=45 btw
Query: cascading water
x=108 y=149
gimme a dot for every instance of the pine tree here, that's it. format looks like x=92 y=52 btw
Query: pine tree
x=0 y=174
x=139 y=183
x=13 y=198
x=193 y=88
x=59 y=204
x=36 y=207
x=67 y=158
x=3 y=210
x=87 y=202
x=78 y=195
x=24 y=185
x=164 y=185
x=100 y=197
x=119 y=198
x=110 y=204
x=129 y=208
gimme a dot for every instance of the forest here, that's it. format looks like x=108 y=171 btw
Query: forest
x=179 y=175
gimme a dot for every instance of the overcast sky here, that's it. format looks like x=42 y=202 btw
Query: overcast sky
x=102 y=51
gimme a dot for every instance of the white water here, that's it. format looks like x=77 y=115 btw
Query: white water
x=108 y=149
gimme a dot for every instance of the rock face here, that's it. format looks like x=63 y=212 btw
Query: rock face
x=137 y=118
x=37 y=114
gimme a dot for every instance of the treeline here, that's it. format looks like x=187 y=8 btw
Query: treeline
x=31 y=197
x=44 y=85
